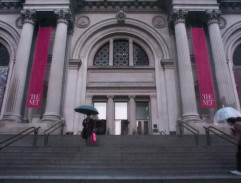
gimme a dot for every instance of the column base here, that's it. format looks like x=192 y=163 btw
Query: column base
x=51 y=117
x=12 y=117
x=190 y=117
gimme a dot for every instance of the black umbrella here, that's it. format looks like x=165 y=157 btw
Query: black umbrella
x=86 y=109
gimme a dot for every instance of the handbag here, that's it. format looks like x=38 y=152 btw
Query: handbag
x=93 y=137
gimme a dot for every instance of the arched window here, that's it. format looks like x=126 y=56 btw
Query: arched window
x=121 y=52
x=237 y=56
x=139 y=55
x=4 y=62
x=102 y=56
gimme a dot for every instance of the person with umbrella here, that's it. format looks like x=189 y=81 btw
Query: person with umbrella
x=88 y=123
x=233 y=118
x=88 y=128
x=235 y=123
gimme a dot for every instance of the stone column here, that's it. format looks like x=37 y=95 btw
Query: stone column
x=224 y=81
x=110 y=114
x=17 y=86
x=188 y=99
x=132 y=115
x=54 y=96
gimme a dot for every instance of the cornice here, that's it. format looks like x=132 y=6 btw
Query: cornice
x=11 y=7
x=128 y=6
x=230 y=6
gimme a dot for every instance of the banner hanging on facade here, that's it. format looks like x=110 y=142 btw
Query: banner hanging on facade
x=38 y=71
x=203 y=69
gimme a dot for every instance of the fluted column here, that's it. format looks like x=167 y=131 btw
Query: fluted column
x=132 y=114
x=188 y=99
x=224 y=81
x=54 y=96
x=110 y=114
x=17 y=86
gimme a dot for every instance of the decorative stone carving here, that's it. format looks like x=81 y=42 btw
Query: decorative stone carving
x=179 y=15
x=19 y=22
x=213 y=16
x=121 y=16
x=63 y=16
x=159 y=21
x=28 y=16
x=222 y=22
x=82 y=22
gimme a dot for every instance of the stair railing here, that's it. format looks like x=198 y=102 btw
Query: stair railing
x=215 y=131
x=21 y=135
x=53 y=128
x=195 y=132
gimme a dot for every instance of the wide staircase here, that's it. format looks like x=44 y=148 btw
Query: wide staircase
x=154 y=158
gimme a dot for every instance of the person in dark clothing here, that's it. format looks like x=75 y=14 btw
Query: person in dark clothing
x=235 y=123
x=88 y=127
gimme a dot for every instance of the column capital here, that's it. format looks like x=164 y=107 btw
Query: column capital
x=63 y=15
x=213 y=16
x=110 y=97
x=28 y=16
x=179 y=15
x=131 y=96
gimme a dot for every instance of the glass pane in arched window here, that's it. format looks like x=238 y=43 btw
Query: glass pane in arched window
x=237 y=56
x=102 y=56
x=4 y=56
x=4 y=61
x=121 y=52
x=139 y=55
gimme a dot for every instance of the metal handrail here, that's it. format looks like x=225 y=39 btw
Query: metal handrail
x=18 y=137
x=227 y=137
x=47 y=132
x=162 y=132
x=195 y=132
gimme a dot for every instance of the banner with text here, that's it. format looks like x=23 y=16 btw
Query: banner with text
x=38 y=71
x=203 y=69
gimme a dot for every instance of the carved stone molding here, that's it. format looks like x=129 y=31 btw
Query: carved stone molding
x=82 y=22
x=179 y=15
x=213 y=16
x=159 y=21
x=167 y=63
x=28 y=16
x=121 y=16
x=19 y=22
x=222 y=22
x=75 y=64
x=63 y=15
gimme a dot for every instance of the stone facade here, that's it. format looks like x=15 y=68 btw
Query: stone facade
x=84 y=66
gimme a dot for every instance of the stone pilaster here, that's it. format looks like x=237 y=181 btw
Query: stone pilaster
x=110 y=114
x=54 y=96
x=132 y=115
x=17 y=86
x=224 y=82
x=188 y=99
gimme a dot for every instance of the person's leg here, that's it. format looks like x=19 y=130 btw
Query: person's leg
x=238 y=159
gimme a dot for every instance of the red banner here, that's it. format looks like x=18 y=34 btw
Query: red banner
x=203 y=69
x=38 y=71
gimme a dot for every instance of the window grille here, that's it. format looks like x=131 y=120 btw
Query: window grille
x=121 y=53
x=102 y=56
x=237 y=56
x=139 y=55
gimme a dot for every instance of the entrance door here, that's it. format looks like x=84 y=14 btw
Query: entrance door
x=142 y=116
x=121 y=123
x=142 y=127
